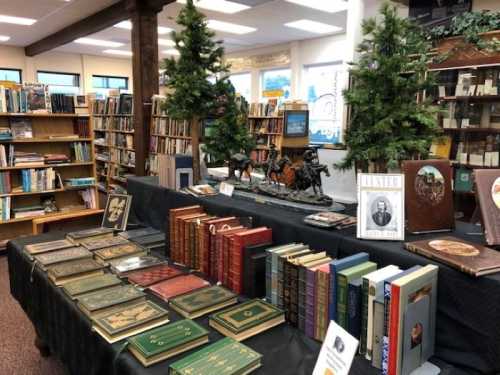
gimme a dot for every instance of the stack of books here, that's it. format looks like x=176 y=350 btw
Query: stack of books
x=56 y=159
x=5 y=134
x=27 y=159
x=79 y=182
x=21 y=128
x=28 y=211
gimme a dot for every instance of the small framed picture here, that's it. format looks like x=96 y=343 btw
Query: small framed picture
x=117 y=211
x=296 y=124
x=381 y=207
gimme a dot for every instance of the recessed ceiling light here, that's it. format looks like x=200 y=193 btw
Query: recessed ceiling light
x=230 y=27
x=171 y=51
x=222 y=6
x=313 y=26
x=118 y=52
x=329 y=6
x=17 y=20
x=166 y=42
x=4 y=38
x=127 y=25
x=98 y=42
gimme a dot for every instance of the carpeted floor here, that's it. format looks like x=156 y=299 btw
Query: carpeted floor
x=18 y=355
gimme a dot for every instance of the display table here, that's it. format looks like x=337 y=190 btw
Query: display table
x=468 y=316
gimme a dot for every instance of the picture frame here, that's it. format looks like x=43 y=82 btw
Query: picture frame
x=296 y=124
x=381 y=207
x=117 y=211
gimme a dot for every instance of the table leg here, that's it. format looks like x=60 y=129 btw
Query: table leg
x=42 y=347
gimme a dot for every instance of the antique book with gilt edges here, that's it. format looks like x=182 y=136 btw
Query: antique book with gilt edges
x=129 y=321
x=95 y=233
x=136 y=233
x=488 y=194
x=61 y=256
x=93 y=244
x=153 y=275
x=123 y=267
x=428 y=189
x=247 y=319
x=208 y=255
x=167 y=341
x=203 y=301
x=45 y=247
x=119 y=251
x=103 y=300
x=74 y=270
x=467 y=257
x=172 y=230
x=233 y=357
x=178 y=285
x=90 y=284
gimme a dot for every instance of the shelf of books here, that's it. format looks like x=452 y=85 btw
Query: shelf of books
x=470 y=100
x=46 y=158
x=112 y=120
x=167 y=136
x=265 y=124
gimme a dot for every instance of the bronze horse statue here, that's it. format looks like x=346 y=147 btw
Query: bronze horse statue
x=242 y=164
x=306 y=178
x=276 y=170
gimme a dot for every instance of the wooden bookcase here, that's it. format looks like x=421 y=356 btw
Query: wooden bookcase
x=52 y=134
x=266 y=130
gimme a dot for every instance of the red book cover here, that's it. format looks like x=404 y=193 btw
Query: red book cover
x=178 y=285
x=153 y=275
x=209 y=227
x=247 y=238
x=219 y=256
x=172 y=229
x=393 y=329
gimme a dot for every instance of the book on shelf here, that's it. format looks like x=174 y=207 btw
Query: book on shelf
x=25 y=98
x=77 y=288
x=165 y=126
x=62 y=103
x=89 y=197
x=123 y=157
x=27 y=211
x=488 y=196
x=264 y=109
x=79 y=182
x=81 y=152
x=5 y=134
x=21 y=128
x=50 y=159
x=38 y=180
x=158 y=105
x=121 y=104
x=167 y=341
x=170 y=146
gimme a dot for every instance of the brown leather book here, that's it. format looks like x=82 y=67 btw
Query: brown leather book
x=488 y=196
x=221 y=261
x=173 y=214
x=189 y=235
x=180 y=245
x=198 y=241
x=467 y=257
x=427 y=192
x=209 y=228
x=178 y=285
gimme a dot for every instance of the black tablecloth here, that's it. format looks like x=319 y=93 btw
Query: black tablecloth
x=468 y=316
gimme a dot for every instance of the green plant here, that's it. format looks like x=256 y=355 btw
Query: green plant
x=387 y=123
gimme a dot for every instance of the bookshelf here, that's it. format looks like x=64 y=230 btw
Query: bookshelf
x=114 y=142
x=54 y=164
x=266 y=130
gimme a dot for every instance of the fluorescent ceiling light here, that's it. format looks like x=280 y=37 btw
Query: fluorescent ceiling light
x=118 y=52
x=127 y=25
x=171 y=51
x=313 y=26
x=330 y=6
x=17 y=20
x=166 y=42
x=222 y=6
x=98 y=42
x=4 y=38
x=230 y=27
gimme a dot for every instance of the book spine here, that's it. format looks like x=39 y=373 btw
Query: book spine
x=294 y=295
x=185 y=247
x=372 y=290
x=364 y=317
x=205 y=250
x=280 y=278
x=332 y=302
x=322 y=305
x=269 y=277
x=354 y=311
x=301 y=300
x=220 y=259
x=274 y=279
x=385 y=337
x=342 y=301
x=226 y=264
x=310 y=302
x=237 y=265
x=287 y=288
x=393 y=330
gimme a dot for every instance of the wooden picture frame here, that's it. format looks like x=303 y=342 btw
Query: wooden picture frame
x=296 y=124
x=117 y=211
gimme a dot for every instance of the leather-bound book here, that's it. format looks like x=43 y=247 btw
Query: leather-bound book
x=92 y=244
x=136 y=233
x=199 y=242
x=118 y=252
x=428 y=189
x=177 y=286
x=75 y=270
x=45 y=247
x=321 y=308
x=189 y=239
x=488 y=195
x=209 y=229
x=311 y=289
x=282 y=288
x=90 y=284
x=95 y=234
x=172 y=229
x=474 y=259
x=60 y=256
x=254 y=276
x=153 y=275
x=182 y=237
x=219 y=255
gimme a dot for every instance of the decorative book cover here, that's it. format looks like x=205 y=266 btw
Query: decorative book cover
x=92 y=244
x=467 y=257
x=141 y=232
x=208 y=255
x=123 y=266
x=164 y=342
x=182 y=237
x=428 y=189
x=172 y=228
x=88 y=233
x=488 y=194
x=74 y=268
x=90 y=284
x=109 y=297
x=247 y=319
x=118 y=251
x=45 y=247
x=153 y=275
x=59 y=256
x=233 y=358
x=178 y=285
x=202 y=300
x=150 y=240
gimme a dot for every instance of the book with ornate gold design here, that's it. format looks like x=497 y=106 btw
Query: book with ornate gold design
x=93 y=244
x=75 y=270
x=119 y=252
x=45 y=247
x=90 y=284
x=129 y=321
x=94 y=234
x=167 y=341
x=60 y=256
x=226 y=356
x=247 y=319
x=204 y=301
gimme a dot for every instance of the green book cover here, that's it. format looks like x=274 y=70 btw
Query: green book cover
x=246 y=315
x=167 y=337
x=463 y=180
x=202 y=299
x=74 y=268
x=59 y=256
x=343 y=279
x=226 y=356
x=109 y=297
x=92 y=283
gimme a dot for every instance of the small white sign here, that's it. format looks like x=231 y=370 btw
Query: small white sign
x=226 y=189
x=337 y=352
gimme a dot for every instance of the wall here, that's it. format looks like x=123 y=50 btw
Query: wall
x=486 y=5
x=84 y=65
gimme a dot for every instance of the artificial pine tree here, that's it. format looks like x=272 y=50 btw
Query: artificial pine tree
x=388 y=124
x=192 y=96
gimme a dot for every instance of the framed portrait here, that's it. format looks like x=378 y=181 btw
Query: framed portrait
x=296 y=124
x=117 y=211
x=381 y=214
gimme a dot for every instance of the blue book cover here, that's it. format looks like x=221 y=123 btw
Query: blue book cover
x=335 y=267
x=354 y=307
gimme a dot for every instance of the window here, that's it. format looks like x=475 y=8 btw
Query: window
x=7 y=74
x=276 y=83
x=242 y=83
x=323 y=92
x=103 y=84
x=60 y=83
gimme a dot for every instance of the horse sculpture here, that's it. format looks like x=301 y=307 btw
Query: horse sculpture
x=275 y=172
x=242 y=164
x=310 y=177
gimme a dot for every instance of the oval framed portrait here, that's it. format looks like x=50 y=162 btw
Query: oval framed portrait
x=454 y=248
x=430 y=185
x=495 y=192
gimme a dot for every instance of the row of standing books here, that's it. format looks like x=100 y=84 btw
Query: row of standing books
x=81 y=152
x=158 y=105
x=35 y=180
x=259 y=156
x=169 y=127
x=122 y=104
x=123 y=157
x=266 y=140
x=5 y=208
x=458 y=115
x=264 y=109
x=122 y=140
x=170 y=146
x=274 y=125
